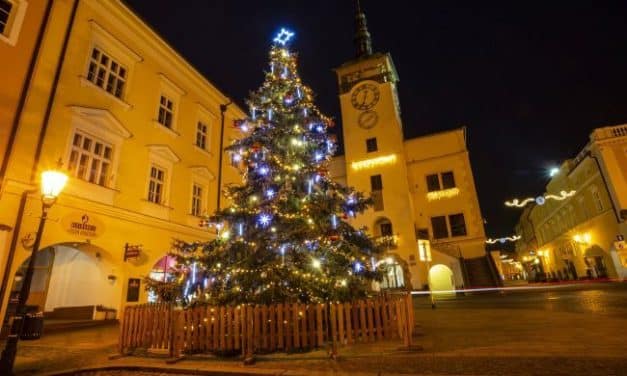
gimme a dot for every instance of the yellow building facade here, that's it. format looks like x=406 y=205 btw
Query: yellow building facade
x=138 y=130
x=426 y=211
x=580 y=236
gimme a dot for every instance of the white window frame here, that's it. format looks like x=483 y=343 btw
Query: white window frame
x=157 y=182
x=100 y=124
x=92 y=156
x=106 y=42
x=163 y=157
x=201 y=176
x=208 y=118
x=109 y=72
x=201 y=208
x=13 y=27
x=174 y=93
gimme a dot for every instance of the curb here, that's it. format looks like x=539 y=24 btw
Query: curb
x=167 y=370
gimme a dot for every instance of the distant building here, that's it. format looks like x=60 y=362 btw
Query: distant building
x=423 y=188
x=580 y=236
x=137 y=128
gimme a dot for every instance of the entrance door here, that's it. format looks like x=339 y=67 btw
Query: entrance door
x=441 y=280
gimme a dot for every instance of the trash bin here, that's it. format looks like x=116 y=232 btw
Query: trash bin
x=33 y=326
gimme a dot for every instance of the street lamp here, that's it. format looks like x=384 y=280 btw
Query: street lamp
x=52 y=183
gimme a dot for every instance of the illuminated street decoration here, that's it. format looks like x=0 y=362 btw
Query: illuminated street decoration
x=374 y=162
x=503 y=240
x=540 y=200
x=444 y=193
x=283 y=37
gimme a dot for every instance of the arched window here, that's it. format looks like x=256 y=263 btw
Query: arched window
x=394 y=277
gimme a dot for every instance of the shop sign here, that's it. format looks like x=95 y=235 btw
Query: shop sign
x=82 y=225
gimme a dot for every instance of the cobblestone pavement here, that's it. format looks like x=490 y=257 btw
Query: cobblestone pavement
x=574 y=331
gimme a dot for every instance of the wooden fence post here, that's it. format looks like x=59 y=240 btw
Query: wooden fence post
x=332 y=318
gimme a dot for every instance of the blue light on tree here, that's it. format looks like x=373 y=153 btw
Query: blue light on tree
x=264 y=219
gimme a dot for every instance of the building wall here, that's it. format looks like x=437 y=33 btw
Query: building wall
x=436 y=154
x=119 y=208
x=17 y=44
x=585 y=225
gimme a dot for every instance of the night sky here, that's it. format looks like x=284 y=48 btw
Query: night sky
x=529 y=79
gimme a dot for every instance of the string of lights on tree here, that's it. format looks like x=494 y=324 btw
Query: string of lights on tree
x=285 y=236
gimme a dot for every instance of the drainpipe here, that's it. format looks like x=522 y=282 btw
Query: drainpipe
x=607 y=188
x=223 y=108
x=24 y=93
x=39 y=146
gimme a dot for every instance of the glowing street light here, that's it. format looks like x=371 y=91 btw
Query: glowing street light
x=52 y=183
x=554 y=171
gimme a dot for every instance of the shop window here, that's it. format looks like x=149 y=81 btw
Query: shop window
x=440 y=230
x=458 y=225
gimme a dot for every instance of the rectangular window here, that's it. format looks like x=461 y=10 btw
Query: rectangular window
x=90 y=159
x=166 y=111
x=433 y=183
x=201 y=135
x=371 y=145
x=5 y=12
x=598 y=203
x=156 y=185
x=422 y=233
x=440 y=231
x=106 y=73
x=376 y=183
x=448 y=180
x=458 y=225
x=197 y=200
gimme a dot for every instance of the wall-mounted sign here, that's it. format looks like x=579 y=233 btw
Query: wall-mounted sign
x=132 y=294
x=82 y=225
x=131 y=251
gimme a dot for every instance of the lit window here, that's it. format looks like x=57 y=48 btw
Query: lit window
x=371 y=145
x=197 y=193
x=106 y=73
x=393 y=278
x=166 y=111
x=201 y=135
x=90 y=159
x=433 y=183
x=5 y=13
x=440 y=230
x=448 y=180
x=156 y=185
x=458 y=225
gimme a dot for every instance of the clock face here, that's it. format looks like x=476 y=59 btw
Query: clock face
x=368 y=119
x=365 y=97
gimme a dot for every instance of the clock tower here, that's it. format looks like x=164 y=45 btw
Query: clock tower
x=375 y=156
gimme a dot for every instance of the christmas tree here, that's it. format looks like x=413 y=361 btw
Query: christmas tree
x=284 y=237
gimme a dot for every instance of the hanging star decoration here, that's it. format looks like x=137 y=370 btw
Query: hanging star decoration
x=503 y=240
x=283 y=37
x=540 y=200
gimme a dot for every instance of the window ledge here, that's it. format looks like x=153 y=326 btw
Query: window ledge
x=91 y=191
x=86 y=82
x=204 y=151
x=167 y=130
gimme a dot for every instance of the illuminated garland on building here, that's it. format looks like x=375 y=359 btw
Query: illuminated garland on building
x=503 y=240
x=445 y=193
x=374 y=162
x=540 y=200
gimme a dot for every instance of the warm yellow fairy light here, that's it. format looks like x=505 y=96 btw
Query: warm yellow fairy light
x=445 y=193
x=374 y=162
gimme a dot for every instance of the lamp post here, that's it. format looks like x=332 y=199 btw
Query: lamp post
x=424 y=253
x=52 y=183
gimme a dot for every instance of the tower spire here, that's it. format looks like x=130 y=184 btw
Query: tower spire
x=362 y=40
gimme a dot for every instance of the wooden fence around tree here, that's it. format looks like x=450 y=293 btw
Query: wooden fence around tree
x=253 y=329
